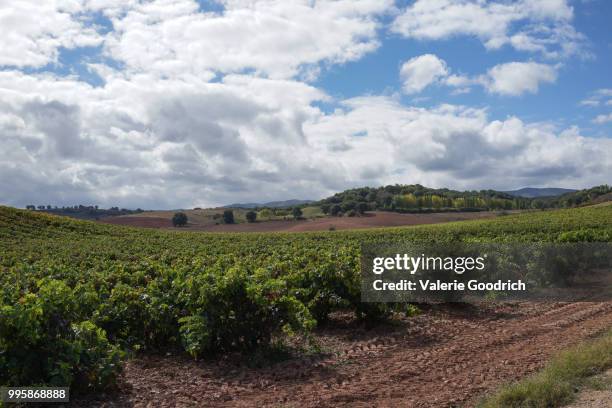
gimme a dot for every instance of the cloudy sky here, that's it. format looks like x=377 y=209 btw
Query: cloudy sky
x=182 y=103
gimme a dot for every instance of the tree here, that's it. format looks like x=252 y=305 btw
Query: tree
x=296 y=212
x=362 y=207
x=228 y=216
x=538 y=204
x=436 y=201
x=30 y=207
x=179 y=219
x=335 y=210
x=325 y=208
x=349 y=205
x=251 y=216
x=387 y=200
x=265 y=213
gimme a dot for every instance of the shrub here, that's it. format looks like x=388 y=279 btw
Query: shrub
x=238 y=311
x=296 y=212
x=42 y=341
x=179 y=219
x=228 y=216
x=124 y=316
x=251 y=216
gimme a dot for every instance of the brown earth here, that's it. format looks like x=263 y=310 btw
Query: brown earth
x=370 y=220
x=448 y=356
x=590 y=398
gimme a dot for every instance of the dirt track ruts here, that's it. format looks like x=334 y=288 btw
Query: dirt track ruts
x=445 y=357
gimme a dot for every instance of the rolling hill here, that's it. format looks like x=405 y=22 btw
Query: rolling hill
x=271 y=204
x=531 y=192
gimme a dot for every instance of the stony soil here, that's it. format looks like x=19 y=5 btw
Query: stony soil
x=446 y=357
x=596 y=398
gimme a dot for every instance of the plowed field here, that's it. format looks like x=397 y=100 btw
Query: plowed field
x=448 y=356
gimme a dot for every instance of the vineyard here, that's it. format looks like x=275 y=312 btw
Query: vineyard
x=78 y=298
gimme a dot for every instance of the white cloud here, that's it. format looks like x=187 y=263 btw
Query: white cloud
x=274 y=38
x=419 y=72
x=146 y=142
x=604 y=92
x=211 y=108
x=589 y=102
x=458 y=146
x=542 y=26
x=598 y=98
x=516 y=78
x=33 y=31
x=168 y=144
x=509 y=79
x=601 y=119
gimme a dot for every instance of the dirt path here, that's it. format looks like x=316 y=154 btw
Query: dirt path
x=590 y=398
x=446 y=357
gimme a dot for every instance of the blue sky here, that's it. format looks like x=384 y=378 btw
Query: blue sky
x=175 y=103
x=376 y=73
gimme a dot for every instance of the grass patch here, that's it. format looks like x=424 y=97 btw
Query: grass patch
x=312 y=212
x=559 y=381
x=601 y=382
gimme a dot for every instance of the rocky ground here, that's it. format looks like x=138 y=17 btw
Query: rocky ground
x=448 y=356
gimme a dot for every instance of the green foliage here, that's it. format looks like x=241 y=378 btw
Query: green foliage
x=43 y=340
x=228 y=216
x=266 y=213
x=335 y=210
x=582 y=197
x=296 y=212
x=349 y=205
x=74 y=295
x=417 y=198
x=251 y=216
x=179 y=219
x=237 y=310
x=362 y=207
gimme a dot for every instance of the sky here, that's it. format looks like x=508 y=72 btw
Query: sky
x=182 y=103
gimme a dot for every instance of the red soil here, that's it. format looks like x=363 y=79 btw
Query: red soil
x=370 y=220
x=446 y=357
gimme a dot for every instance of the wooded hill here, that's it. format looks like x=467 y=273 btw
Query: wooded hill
x=417 y=198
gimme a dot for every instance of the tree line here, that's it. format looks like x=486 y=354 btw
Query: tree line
x=83 y=211
x=417 y=198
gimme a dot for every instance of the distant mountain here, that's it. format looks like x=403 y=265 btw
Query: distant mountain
x=271 y=204
x=529 y=192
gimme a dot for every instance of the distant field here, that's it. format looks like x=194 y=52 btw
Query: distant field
x=202 y=220
x=207 y=217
